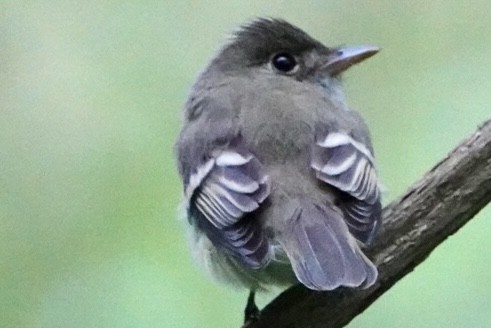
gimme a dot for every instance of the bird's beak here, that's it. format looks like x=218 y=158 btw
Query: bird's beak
x=342 y=58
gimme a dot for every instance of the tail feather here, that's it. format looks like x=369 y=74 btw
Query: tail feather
x=323 y=253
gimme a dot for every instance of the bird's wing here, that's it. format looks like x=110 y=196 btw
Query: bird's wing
x=348 y=165
x=224 y=184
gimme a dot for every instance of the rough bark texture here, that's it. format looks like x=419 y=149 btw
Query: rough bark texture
x=447 y=197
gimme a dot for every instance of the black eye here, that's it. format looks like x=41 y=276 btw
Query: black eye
x=284 y=62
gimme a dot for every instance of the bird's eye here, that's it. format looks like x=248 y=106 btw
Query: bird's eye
x=284 y=62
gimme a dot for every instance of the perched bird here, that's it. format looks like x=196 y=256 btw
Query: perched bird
x=278 y=172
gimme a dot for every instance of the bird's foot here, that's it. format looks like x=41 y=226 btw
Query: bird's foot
x=251 y=312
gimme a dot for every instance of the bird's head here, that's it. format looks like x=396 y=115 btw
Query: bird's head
x=274 y=46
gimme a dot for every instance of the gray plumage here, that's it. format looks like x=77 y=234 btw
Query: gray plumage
x=278 y=173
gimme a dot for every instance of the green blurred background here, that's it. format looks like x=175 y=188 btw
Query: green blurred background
x=90 y=99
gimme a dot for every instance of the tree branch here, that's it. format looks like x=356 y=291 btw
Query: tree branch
x=446 y=198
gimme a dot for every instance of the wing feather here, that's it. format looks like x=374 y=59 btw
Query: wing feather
x=221 y=195
x=348 y=165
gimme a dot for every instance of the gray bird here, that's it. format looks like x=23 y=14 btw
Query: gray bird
x=278 y=172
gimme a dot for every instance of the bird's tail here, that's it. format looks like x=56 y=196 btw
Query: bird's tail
x=323 y=253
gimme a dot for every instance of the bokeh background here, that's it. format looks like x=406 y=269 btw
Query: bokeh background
x=90 y=99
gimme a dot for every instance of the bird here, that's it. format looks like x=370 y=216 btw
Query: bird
x=278 y=172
